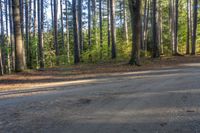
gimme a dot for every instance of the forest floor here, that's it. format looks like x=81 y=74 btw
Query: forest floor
x=160 y=97
x=86 y=71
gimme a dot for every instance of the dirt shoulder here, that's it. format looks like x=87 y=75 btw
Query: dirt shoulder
x=86 y=71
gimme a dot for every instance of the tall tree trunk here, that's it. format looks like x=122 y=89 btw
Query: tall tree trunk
x=94 y=19
x=160 y=27
x=176 y=27
x=1 y=40
x=135 y=7
x=188 y=27
x=30 y=35
x=62 y=25
x=19 y=48
x=125 y=22
x=11 y=35
x=52 y=13
x=146 y=23
x=89 y=23
x=101 y=28
x=3 y=44
x=40 y=33
x=56 y=31
x=27 y=33
x=8 y=61
x=113 y=30
x=108 y=15
x=194 y=36
x=155 y=50
x=75 y=29
x=67 y=31
x=1 y=65
x=22 y=17
x=35 y=17
x=80 y=2
x=171 y=25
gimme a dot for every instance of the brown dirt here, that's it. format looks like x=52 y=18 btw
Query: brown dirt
x=86 y=71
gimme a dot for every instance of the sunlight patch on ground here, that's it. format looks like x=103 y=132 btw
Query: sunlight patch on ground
x=192 y=65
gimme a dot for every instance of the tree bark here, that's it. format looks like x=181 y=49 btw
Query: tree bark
x=94 y=19
x=62 y=25
x=22 y=17
x=113 y=29
x=67 y=31
x=155 y=50
x=108 y=26
x=146 y=23
x=75 y=29
x=1 y=40
x=135 y=7
x=35 y=17
x=194 y=36
x=40 y=33
x=56 y=31
x=101 y=28
x=176 y=28
x=125 y=22
x=89 y=23
x=27 y=33
x=19 y=48
x=188 y=28
x=11 y=35
x=80 y=2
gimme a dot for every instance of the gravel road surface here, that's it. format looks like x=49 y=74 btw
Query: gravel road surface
x=157 y=101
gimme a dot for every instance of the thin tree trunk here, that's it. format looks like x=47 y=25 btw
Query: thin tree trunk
x=113 y=29
x=89 y=23
x=27 y=33
x=56 y=31
x=80 y=2
x=30 y=36
x=52 y=13
x=101 y=28
x=62 y=25
x=160 y=28
x=35 y=17
x=1 y=40
x=8 y=61
x=176 y=28
x=76 y=38
x=155 y=52
x=108 y=26
x=125 y=22
x=11 y=35
x=67 y=31
x=3 y=54
x=146 y=23
x=188 y=27
x=94 y=19
x=171 y=19
x=40 y=33
x=195 y=14
x=1 y=65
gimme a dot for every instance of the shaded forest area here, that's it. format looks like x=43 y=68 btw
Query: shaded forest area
x=38 y=34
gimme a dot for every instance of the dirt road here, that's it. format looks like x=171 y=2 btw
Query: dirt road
x=157 y=101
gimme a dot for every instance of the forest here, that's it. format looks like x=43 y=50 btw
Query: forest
x=99 y=66
x=38 y=34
